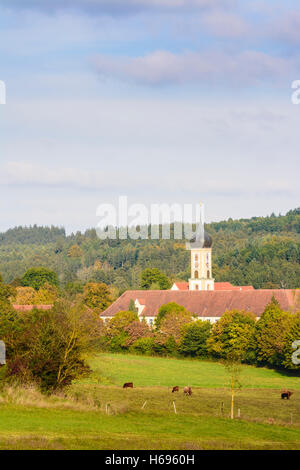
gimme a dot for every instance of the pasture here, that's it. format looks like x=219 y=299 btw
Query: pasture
x=145 y=371
x=96 y=413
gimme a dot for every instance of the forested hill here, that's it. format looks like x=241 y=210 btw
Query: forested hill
x=32 y=235
x=262 y=251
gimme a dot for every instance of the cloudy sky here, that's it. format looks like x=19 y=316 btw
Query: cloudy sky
x=165 y=101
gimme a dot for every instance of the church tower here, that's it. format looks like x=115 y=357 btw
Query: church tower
x=201 y=263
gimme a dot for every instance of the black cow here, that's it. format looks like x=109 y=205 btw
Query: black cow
x=286 y=394
x=128 y=385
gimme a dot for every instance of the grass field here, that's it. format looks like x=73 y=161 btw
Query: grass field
x=115 y=369
x=79 y=420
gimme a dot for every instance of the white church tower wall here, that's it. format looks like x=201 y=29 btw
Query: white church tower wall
x=201 y=269
x=201 y=258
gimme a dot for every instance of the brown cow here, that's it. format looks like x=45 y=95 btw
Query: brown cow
x=187 y=391
x=286 y=394
x=128 y=385
x=175 y=389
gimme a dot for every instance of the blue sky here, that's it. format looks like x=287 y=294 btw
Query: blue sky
x=175 y=101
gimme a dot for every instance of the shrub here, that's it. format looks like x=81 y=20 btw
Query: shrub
x=118 y=343
x=194 y=339
x=164 y=345
x=136 y=330
x=116 y=334
x=25 y=296
x=119 y=322
x=46 y=347
x=143 y=346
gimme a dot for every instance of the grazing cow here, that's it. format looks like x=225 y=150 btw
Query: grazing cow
x=175 y=389
x=128 y=385
x=187 y=391
x=286 y=394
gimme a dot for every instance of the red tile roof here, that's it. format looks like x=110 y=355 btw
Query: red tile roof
x=224 y=286
x=27 y=308
x=218 y=286
x=229 y=286
x=206 y=303
x=182 y=285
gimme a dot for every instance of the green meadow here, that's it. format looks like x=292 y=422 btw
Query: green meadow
x=96 y=413
x=144 y=371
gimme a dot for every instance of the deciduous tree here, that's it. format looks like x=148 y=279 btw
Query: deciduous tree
x=271 y=334
x=37 y=277
x=50 y=344
x=171 y=307
x=152 y=277
x=97 y=295
x=173 y=324
x=75 y=251
x=136 y=330
x=194 y=338
x=232 y=334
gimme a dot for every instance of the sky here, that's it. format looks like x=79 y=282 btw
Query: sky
x=162 y=101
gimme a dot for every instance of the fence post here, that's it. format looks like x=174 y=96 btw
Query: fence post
x=174 y=407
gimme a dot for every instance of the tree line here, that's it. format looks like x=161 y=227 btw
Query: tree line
x=267 y=341
x=262 y=251
x=49 y=347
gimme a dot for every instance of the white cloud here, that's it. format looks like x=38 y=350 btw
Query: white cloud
x=35 y=175
x=287 y=28
x=241 y=158
x=163 y=67
x=224 y=24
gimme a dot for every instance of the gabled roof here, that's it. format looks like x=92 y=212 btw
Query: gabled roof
x=206 y=303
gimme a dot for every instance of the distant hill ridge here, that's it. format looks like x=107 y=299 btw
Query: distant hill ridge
x=261 y=251
x=32 y=235
x=290 y=222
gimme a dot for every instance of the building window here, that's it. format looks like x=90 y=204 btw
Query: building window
x=196 y=257
x=196 y=275
x=196 y=287
x=208 y=274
